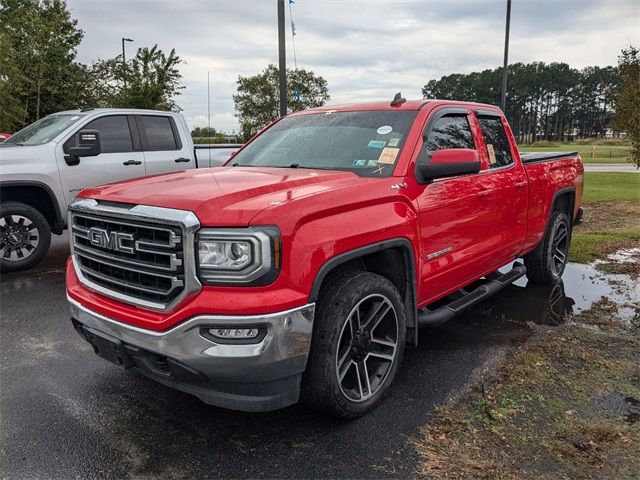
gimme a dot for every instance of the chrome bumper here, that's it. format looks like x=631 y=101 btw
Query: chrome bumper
x=255 y=377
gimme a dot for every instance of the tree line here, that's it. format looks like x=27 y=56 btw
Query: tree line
x=544 y=101
x=39 y=73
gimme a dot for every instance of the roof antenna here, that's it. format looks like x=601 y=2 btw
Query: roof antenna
x=398 y=100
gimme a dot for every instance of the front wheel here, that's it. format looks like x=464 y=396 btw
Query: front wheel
x=357 y=344
x=25 y=236
x=547 y=262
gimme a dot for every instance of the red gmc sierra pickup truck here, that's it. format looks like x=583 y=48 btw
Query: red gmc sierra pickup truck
x=304 y=266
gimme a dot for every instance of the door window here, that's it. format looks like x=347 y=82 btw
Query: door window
x=450 y=131
x=115 y=135
x=159 y=133
x=495 y=137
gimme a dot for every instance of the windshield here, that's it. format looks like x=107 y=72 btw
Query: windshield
x=367 y=143
x=44 y=130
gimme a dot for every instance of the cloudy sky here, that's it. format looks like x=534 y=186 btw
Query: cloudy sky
x=366 y=49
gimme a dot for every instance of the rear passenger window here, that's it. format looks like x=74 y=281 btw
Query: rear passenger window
x=498 y=148
x=115 y=135
x=449 y=132
x=159 y=133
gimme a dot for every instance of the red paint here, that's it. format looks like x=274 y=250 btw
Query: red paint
x=443 y=157
x=487 y=219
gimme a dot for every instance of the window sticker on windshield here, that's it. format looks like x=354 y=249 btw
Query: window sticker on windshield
x=376 y=144
x=360 y=163
x=388 y=155
x=384 y=130
x=372 y=163
x=393 y=142
x=492 y=154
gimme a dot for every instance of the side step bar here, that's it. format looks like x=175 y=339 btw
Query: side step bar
x=495 y=283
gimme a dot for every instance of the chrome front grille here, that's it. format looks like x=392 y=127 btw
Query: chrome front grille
x=141 y=255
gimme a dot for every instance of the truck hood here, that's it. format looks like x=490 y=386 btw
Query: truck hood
x=224 y=196
x=11 y=154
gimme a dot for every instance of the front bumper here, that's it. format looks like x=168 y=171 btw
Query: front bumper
x=251 y=377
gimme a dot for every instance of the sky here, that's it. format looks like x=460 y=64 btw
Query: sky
x=365 y=49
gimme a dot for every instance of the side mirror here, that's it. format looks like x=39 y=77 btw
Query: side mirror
x=449 y=163
x=88 y=145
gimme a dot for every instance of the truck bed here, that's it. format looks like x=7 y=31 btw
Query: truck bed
x=544 y=156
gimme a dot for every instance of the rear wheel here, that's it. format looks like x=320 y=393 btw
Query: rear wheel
x=25 y=236
x=547 y=262
x=357 y=345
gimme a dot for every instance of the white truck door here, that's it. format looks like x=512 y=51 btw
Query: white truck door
x=121 y=155
x=164 y=150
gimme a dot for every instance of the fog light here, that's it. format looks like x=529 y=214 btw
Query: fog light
x=235 y=333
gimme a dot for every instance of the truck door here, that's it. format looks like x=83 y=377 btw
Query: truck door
x=121 y=156
x=164 y=152
x=455 y=220
x=505 y=181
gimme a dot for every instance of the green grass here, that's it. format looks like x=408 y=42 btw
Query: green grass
x=588 y=247
x=611 y=187
x=602 y=153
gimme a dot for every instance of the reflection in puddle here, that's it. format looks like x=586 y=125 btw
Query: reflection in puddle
x=581 y=287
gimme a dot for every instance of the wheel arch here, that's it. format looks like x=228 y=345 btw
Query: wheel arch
x=381 y=258
x=563 y=201
x=37 y=195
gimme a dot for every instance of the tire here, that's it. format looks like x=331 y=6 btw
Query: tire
x=547 y=262
x=347 y=300
x=25 y=236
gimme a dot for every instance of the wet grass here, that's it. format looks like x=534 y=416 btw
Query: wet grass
x=601 y=154
x=539 y=416
x=611 y=220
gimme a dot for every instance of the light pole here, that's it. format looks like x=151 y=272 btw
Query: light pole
x=283 y=60
x=503 y=93
x=124 y=62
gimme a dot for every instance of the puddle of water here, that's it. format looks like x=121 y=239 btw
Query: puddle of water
x=581 y=286
x=629 y=255
x=621 y=405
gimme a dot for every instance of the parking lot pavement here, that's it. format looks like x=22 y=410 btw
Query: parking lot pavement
x=611 y=167
x=66 y=413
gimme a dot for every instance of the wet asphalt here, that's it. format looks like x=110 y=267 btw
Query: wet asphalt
x=66 y=413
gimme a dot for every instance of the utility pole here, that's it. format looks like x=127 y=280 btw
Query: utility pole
x=503 y=93
x=124 y=62
x=283 y=60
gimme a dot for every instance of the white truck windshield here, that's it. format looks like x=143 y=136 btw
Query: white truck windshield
x=44 y=130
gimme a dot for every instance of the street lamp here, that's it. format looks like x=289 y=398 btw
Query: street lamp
x=503 y=93
x=125 y=40
x=124 y=62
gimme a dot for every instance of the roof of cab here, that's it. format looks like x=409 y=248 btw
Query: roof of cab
x=87 y=110
x=386 y=105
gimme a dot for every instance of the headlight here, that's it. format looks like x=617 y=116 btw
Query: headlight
x=238 y=255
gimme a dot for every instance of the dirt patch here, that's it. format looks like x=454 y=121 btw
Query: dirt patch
x=542 y=414
x=610 y=216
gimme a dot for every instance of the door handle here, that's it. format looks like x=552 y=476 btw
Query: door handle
x=484 y=193
x=182 y=159
x=521 y=184
x=132 y=162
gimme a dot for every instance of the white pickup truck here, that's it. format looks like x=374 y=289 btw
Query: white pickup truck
x=44 y=166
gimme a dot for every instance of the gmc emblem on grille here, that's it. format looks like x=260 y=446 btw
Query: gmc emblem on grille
x=111 y=240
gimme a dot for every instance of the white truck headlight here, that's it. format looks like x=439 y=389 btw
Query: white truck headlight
x=238 y=255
